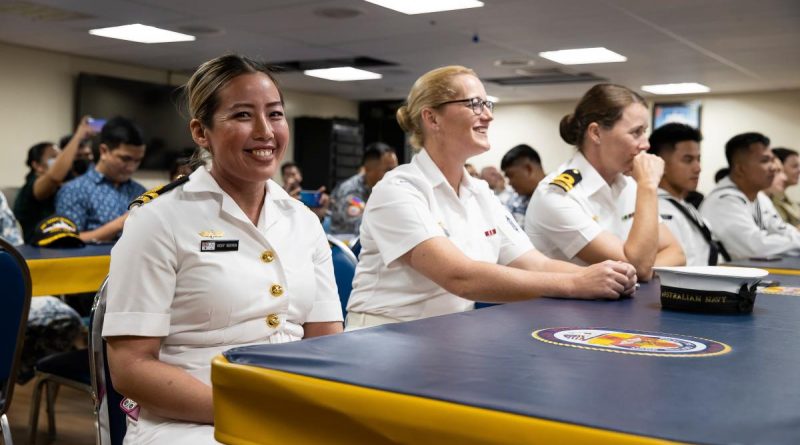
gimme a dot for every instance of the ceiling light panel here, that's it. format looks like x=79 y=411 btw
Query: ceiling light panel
x=342 y=74
x=142 y=34
x=411 y=7
x=581 y=56
x=677 y=88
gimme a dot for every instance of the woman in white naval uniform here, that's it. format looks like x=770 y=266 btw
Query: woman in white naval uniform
x=435 y=240
x=602 y=203
x=227 y=259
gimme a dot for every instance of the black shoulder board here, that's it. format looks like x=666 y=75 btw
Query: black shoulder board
x=666 y=216
x=568 y=179
x=156 y=192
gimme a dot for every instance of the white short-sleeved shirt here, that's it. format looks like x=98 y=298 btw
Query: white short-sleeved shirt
x=561 y=223
x=690 y=237
x=414 y=203
x=192 y=268
x=748 y=228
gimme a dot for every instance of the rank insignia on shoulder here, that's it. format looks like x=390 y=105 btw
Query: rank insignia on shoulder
x=567 y=180
x=666 y=216
x=628 y=216
x=156 y=192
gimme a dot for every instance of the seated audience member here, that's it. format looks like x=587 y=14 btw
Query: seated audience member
x=435 y=240
x=350 y=197
x=84 y=157
x=178 y=296
x=602 y=204
x=497 y=183
x=52 y=326
x=292 y=183
x=679 y=146
x=98 y=201
x=787 y=209
x=743 y=217
x=50 y=167
x=523 y=167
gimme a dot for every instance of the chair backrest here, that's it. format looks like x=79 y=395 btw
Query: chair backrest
x=344 y=269
x=15 y=282
x=111 y=422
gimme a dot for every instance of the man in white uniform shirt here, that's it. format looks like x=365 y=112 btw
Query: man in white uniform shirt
x=743 y=217
x=679 y=146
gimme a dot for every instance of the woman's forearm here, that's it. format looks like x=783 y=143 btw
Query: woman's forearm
x=641 y=246
x=162 y=389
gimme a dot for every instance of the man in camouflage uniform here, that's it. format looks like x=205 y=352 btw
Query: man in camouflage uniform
x=523 y=168
x=52 y=325
x=8 y=224
x=350 y=197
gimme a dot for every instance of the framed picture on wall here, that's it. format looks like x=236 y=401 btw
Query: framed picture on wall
x=681 y=112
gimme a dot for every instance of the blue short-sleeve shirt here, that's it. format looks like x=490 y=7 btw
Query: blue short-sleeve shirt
x=91 y=200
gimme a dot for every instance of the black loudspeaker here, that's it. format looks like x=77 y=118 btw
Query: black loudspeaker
x=328 y=151
x=380 y=125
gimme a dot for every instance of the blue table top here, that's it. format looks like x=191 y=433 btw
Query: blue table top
x=786 y=262
x=48 y=253
x=488 y=358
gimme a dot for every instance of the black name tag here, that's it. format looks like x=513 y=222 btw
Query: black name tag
x=219 y=245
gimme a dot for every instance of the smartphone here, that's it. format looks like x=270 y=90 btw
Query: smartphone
x=310 y=198
x=96 y=124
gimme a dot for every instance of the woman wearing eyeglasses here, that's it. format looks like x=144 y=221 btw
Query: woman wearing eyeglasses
x=435 y=240
x=602 y=204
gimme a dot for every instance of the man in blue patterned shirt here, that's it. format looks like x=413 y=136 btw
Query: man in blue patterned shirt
x=98 y=201
x=523 y=168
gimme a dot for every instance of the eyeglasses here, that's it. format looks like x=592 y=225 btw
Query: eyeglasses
x=476 y=103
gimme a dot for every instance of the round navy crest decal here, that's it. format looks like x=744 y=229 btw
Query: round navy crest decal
x=626 y=341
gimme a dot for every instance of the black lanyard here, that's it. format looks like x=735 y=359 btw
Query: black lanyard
x=715 y=246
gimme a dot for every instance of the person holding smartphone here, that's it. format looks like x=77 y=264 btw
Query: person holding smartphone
x=97 y=201
x=316 y=200
x=50 y=167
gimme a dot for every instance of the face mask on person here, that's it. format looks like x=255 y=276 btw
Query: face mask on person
x=79 y=166
x=50 y=163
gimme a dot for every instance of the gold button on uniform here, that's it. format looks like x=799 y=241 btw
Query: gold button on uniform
x=273 y=320
x=276 y=290
x=267 y=256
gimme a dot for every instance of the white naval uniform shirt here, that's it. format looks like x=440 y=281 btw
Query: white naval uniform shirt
x=748 y=228
x=414 y=203
x=202 y=303
x=694 y=245
x=561 y=223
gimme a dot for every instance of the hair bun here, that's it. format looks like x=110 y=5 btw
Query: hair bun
x=568 y=129
x=404 y=119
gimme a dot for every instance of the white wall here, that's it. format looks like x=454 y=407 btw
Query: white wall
x=37 y=101
x=775 y=114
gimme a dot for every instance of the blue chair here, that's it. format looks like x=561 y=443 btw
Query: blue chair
x=16 y=301
x=344 y=269
x=110 y=419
